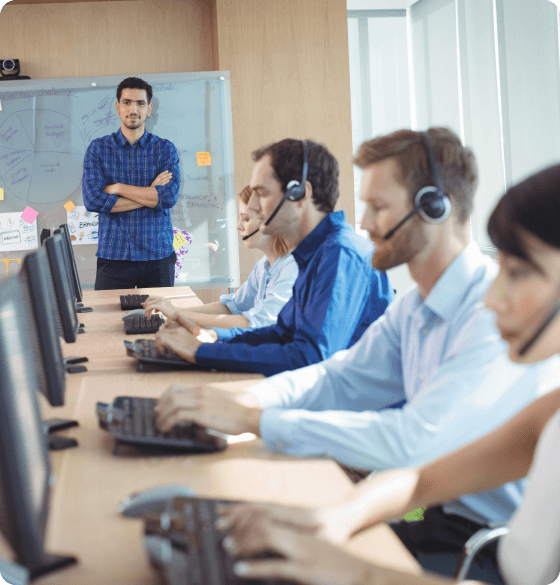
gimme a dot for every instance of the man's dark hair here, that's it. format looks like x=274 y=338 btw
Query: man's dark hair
x=531 y=206
x=456 y=164
x=287 y=162
x=134 y=83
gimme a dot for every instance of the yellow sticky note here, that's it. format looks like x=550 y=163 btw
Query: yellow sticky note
x=203 y=159
x=69 y=206
x=1 y=194
x=179 y=241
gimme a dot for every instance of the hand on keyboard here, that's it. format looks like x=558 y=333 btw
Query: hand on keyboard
x=153 y=304
x=307 y=559
x=331 y=523
x=227 y=412
x=203 y=335
x=177 y=339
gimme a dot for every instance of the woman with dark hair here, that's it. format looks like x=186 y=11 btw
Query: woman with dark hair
x=259 y=299
x=526 y=299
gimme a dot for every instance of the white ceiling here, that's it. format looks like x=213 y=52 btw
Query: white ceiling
x=378 y=4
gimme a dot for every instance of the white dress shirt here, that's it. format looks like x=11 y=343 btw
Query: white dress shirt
x=433 y=352
x=530 y=553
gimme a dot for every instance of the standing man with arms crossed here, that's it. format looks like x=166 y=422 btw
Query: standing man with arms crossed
x=131 y=178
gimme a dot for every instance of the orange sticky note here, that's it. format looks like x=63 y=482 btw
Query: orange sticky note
x=69 y=206
x=1 y=194
x=179 y=241
x=203 y=159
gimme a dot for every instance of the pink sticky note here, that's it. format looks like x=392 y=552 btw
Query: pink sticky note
x=29 y=215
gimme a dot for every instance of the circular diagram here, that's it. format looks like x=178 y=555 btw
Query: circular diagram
x=41 y=156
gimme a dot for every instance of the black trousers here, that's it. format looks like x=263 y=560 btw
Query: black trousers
x=114 y=274
x=437 y=543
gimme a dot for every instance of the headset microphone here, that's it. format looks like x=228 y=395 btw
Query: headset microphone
x=431 y=202
x=541 y=329
x=295 y=191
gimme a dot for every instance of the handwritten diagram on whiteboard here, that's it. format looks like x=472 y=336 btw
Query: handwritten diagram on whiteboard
x=16 y=233
x=47 y=125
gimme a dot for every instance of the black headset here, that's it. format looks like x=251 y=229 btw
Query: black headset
x=431 y=202
x=295 y=190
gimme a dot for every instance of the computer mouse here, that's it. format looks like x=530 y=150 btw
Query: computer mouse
x=153 y=500
x=133 y=312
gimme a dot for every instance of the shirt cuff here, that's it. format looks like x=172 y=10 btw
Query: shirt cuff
x=228 y=302
x=159 y=189
x=110 y=202
x=274 y=429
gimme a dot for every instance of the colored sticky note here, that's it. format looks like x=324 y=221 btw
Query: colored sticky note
x=203 y=159
x=29 y=215
x=69 y=206
x=179 y=241
x=1 y=194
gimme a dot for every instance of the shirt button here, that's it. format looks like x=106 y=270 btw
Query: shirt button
x=421 y=377
x=425 y=330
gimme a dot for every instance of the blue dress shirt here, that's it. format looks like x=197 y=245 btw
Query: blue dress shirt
x=337 y=294
x=140 y=234
x=262 y=296
x=443 y=355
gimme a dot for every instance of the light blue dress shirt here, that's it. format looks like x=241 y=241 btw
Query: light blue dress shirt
x=261 y=297
x=443 y=354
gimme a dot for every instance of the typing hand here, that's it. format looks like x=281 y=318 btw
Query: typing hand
x=326 y=522
x=227 y=412
x=307 y=559
x=178 y=339
x=153 y=304
x=203 y=335
x=162 y=179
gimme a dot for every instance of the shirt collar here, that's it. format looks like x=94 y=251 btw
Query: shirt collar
x=307 y=247
x=444 y=299
x=122 y=141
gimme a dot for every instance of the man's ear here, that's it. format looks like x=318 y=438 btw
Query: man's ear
x=149 y=110
x=117 y=107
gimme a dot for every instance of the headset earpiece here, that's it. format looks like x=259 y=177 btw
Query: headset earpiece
x=295 y=191
x=433 y=205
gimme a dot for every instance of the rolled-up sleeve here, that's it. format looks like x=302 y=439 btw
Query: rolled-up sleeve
x=168 y=194
x=94 y=180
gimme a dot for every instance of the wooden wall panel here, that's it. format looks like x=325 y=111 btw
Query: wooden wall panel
x=290 y=78
x=83 y=39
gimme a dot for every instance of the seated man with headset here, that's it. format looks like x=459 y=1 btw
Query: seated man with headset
x=437 y=347
x=337 y=294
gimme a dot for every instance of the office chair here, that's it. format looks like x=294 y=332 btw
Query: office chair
x=474 y=545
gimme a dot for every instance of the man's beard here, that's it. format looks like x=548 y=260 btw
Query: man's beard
x=407 y=242
x=133 y=124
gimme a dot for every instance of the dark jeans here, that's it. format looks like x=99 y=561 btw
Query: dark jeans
x=438 y=540
x=113 y=274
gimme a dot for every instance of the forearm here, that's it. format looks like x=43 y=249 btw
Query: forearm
x=145 y=196
x=213 y=320
x=216 y=308
x=377 y=575
x=124 y=204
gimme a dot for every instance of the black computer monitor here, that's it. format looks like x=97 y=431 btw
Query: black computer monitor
x=68 y=266
x=60 y=279
x=67 y=245
x=45 y=344
x=24 y=460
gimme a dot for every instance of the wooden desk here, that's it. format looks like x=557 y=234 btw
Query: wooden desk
x=91 y=481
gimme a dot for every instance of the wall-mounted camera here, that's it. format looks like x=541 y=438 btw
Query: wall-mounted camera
x=10 y=70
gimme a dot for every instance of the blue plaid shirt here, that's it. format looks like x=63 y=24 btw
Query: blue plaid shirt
x=141 y=234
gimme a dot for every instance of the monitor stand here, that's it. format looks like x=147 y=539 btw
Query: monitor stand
x=13 y=573
x=50 y=563
x=56 y=442
x=73 y=369
x=81 y=309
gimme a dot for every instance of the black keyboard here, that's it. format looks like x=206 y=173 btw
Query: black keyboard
x=129 y=302
x=186 y=547
x=144 y=350
x=139 y=324
x=131 y=420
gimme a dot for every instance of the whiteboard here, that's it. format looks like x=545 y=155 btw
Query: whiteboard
x=46 y=126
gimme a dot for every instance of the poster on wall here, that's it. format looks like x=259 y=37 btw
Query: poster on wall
x=83 y=226
x=16 y=233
